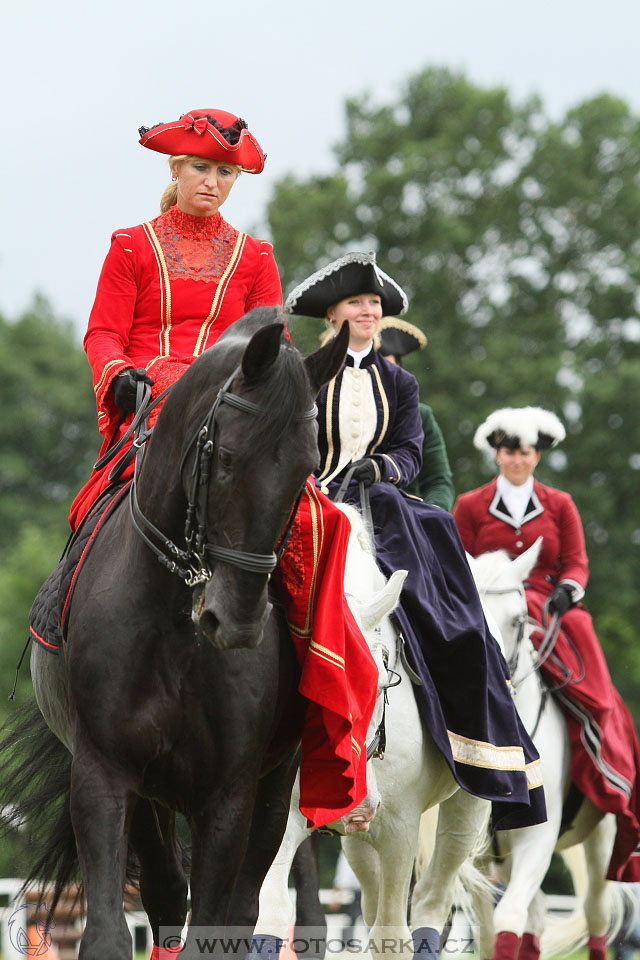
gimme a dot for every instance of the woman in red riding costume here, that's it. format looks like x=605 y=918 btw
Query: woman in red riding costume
x=510 y=513
x=168 y=288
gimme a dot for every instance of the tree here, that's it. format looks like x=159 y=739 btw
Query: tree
x=48 y=442
x=48 y=431
x=515 y=239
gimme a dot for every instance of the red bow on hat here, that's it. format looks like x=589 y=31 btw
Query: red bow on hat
x=190 y=123
x=175 y=138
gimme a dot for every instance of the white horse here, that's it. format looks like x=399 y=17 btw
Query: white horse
x=516 y=925
x=412 y=777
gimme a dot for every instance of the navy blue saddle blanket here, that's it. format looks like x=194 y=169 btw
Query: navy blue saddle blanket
x=50 y=610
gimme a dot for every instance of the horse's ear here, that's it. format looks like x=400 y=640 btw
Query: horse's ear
x=326 y=362
x=373 y=611
x=262 y=351
x=524 y=564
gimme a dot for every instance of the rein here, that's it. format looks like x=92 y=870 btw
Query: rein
x=512 y=662
x=551 y=630
x=191 y=563
x=547 y=644
x=378 y=745
x=365 y=505
x=138 y=427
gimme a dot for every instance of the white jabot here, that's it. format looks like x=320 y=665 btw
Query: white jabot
x=359 y=355
x=515 y=498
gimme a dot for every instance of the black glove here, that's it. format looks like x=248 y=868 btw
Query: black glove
x=125 y=387
x=366 y=471
x=560 y=600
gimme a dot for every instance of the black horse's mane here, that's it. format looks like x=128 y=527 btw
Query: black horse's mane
x=286 y=394
x=283 y=392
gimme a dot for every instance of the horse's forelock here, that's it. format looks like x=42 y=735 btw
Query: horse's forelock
x=489 y=567
x=283 y=394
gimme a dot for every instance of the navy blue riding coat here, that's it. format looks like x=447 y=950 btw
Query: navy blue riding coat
x=465 y=697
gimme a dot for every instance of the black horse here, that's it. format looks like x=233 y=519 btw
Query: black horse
x=178 y=693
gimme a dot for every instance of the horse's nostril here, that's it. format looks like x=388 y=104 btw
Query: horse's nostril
x=208 y=623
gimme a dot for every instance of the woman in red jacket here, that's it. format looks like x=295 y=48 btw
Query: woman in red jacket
x=168 y=288
x=510 y=513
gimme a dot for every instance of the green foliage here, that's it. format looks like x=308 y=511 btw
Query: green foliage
x=48 y=441
x=48 y=433
x=515 y=238
x=35 y=555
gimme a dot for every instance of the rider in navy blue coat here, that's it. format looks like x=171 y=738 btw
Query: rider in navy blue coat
x=370 y=425
x=396 y=444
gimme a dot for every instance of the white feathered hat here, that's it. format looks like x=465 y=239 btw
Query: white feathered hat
x=519 y=427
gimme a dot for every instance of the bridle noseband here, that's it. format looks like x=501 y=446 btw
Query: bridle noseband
x=191 y=563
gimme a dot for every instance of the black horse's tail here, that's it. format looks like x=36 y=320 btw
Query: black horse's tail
x=34 y=797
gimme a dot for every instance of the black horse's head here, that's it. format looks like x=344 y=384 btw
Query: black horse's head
x=263 y=445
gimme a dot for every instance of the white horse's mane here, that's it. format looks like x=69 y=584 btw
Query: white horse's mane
x=359 y=528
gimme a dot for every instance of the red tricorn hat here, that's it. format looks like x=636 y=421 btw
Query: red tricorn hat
x=211 y=133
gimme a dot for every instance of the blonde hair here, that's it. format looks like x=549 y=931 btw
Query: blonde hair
x=169 y=196
x=328 y=333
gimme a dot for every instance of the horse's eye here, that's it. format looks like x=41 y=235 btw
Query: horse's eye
x=225 y=458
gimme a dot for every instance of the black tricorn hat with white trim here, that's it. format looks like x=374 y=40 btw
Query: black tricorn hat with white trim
x=398 y=337
x=519 y=427
x=348 y=276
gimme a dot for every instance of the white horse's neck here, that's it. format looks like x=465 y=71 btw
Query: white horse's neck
x=370 y=596
x=500 y=585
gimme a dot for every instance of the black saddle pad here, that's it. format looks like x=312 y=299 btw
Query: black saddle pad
x=49 y=613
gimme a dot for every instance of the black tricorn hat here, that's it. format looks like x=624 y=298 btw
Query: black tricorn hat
x=519 y=427
x=398 y=337
x=348 y=276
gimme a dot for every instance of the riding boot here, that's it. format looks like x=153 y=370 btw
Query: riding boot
x=265 y=946
x=426 y=943
x=506 y=945
x=597 y=947
x=529 y=947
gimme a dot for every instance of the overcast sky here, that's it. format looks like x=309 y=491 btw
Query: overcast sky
x=78 y=78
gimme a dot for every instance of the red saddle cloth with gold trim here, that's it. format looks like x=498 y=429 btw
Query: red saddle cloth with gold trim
x=339 y=676
x=50 y=609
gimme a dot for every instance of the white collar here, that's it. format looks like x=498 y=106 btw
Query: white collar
x=359 y=355
x=515 y=497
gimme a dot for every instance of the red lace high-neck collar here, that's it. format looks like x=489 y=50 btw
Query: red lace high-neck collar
x=195 y=228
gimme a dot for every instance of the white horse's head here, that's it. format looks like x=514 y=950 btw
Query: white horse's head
x=371 y=599
x=500 y=583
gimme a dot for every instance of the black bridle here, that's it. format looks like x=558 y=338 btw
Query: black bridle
x=551 y=626
x=192 y=562
x=376 y=749
x=522 y=621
